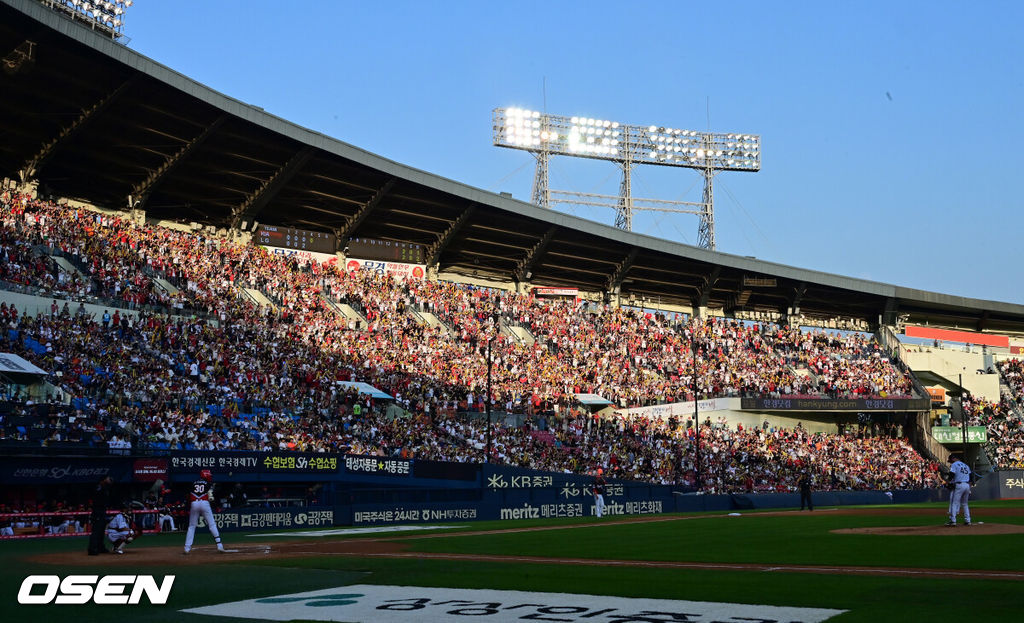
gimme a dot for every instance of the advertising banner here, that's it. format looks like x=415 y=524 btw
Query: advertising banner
x=255 y=462
x=149 y=470
x=955 y=434
x=1011 y=484
x=305 y=256
x=378 y=514
x=682 y=410
x=556 y=291
x=397 y=270
x=378 y=466
x=62 y=470
x=831 y=404
x=258 y=518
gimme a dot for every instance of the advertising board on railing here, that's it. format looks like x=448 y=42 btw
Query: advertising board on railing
x=682 y=409
x=62 y=470
x=255 y=462
x=835 y=404
x=253 y=518
x=955 y=434
x=398 y=270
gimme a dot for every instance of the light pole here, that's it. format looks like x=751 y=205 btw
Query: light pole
x=487 y=459
x=963 y=415
x=696 y=412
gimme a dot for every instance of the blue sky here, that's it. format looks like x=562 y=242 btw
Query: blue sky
x=889 y=130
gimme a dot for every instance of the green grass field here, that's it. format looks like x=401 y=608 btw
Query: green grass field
x=763 y=538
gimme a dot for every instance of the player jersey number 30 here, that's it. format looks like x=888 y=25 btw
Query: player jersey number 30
x=200 y=490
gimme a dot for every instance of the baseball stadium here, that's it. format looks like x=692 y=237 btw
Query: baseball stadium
x=250 y=371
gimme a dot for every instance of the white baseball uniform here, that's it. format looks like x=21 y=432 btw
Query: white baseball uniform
x=200 y=496
x=961 y=475
x=118 y=528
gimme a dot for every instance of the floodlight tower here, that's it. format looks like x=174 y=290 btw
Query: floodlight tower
x=106 y=16
x=545 y=135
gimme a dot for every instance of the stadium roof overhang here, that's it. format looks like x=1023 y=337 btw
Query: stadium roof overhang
x=89 y=118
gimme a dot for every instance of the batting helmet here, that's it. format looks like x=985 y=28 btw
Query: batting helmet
x=206 y=475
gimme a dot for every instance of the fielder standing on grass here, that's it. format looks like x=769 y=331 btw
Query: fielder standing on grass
x=959 y=490
x=599 y=485
x=200 y=495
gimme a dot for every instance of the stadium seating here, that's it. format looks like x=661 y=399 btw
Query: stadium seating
x=232 y=375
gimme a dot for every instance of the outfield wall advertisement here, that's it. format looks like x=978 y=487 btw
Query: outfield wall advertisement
x=1011 y=484
x=284 y=518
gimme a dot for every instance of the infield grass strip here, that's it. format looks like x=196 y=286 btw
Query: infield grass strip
x=796 y=539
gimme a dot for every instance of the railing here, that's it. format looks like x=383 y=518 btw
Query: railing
x=112 y=303
x=74 y=260
x=1013 y=401
x=890 y=343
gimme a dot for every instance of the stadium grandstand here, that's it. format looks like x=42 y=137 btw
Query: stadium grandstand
x=249 y=288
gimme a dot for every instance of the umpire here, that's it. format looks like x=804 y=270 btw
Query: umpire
x=98 y=517
x=805 y=491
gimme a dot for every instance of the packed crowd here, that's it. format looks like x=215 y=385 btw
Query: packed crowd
x=1005 y=424
x=269 y=378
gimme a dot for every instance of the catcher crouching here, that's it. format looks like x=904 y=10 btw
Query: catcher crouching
x=120 y=530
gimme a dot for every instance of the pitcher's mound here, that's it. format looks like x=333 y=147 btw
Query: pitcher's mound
x=938 y=529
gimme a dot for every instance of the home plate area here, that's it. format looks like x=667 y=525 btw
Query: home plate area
x=400 y=604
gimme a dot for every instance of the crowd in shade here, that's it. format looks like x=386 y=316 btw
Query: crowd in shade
x=227 y=374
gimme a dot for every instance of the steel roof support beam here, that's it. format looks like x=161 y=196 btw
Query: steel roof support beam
x=704 y=291
x=254 y=203
x=891 y=314
x=30 y=169
x=798 y=297
x=435 y=250
x=617 y=277
x=357 y=219
x=983 y=320
x=140 y=192
x=524 y=268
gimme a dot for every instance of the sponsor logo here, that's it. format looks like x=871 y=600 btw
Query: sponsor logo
x=61 y=472
x=396 y=604
x=81 y=589
x=526 y=512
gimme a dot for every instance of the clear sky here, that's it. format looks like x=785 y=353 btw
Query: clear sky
x=889 y=129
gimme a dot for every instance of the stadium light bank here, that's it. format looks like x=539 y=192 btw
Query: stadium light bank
x=546 y=135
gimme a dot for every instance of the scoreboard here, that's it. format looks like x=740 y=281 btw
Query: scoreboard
x=386 y=250
x=299 y=239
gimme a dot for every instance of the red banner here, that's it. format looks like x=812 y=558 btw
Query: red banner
x=150 y=470
x=966 y=337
